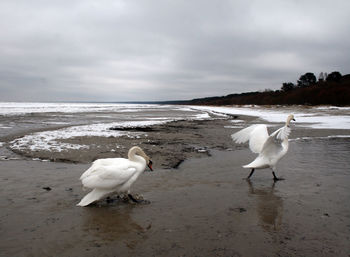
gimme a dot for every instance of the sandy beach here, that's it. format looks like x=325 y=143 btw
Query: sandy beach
x=200 y=203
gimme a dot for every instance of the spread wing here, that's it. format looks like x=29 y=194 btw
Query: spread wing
x=255 y=134
x=281 y=134
x=273 y=144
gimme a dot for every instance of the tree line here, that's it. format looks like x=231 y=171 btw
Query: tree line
x=328 y=89
x=309 y=79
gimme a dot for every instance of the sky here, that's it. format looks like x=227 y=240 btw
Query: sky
x=155 y=50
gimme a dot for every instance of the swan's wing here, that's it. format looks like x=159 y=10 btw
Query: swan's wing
x=281 y=134
x=273 y=145
x=271 y=148
x=108 y=177
x=243 y=135
x=96 y=165
x=255 y=134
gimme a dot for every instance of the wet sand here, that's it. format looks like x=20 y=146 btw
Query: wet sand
x=203 y=207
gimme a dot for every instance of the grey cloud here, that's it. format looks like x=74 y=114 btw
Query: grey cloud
x=161 y=50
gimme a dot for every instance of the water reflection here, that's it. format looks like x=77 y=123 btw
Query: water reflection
x=112 y=223
x=269 y=206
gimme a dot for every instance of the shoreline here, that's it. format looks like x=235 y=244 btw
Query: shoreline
x=180 y=139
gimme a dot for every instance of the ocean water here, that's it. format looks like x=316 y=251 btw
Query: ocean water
x=42 y=126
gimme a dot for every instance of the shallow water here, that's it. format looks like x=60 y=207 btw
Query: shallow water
x=207 y=208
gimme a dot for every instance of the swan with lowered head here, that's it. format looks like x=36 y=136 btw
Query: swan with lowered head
x=110 y=175
x=270 y=148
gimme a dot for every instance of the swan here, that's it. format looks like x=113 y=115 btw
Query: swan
x=270 y=148
x=109 y=175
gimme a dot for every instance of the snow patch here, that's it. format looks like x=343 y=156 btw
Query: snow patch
x=315 y=117
x=50 y=140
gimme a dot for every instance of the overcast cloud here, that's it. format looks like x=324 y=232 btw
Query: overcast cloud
x=112 y=50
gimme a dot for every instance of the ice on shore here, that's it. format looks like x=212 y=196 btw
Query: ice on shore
x=327 y=117
x=18 y=108
x=318 y=118
x=50 y=140
x=149 y=115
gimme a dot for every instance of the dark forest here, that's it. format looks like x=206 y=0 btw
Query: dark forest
x=331 y=89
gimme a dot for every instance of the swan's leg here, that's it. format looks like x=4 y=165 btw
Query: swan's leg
x=276 y=178
x=251 y=173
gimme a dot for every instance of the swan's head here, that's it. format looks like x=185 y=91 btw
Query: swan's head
x=290 y=118
x=139 y=151
x=150 y=165
x=148 y=161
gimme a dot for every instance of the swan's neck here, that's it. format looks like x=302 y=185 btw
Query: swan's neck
x=138 y=159
x=133 y=155
x=290 y=117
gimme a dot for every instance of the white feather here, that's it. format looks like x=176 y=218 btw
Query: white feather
x=270 y=148
x=255 y=134
x=110 y=175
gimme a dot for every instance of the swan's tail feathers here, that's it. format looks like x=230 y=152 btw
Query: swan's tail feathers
x=249 y=166
x=258 y=163
x=95 y=195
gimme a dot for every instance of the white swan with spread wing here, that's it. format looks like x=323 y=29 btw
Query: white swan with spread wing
x=110 y=175
x=270 y=148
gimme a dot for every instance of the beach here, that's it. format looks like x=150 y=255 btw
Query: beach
x=200 y=203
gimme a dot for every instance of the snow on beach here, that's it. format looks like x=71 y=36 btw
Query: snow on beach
x=326 y=117
x=148 y=115
x=317 y=118
x=51 y=140
x=14 y=108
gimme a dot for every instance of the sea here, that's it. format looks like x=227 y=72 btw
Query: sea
x=42 y=126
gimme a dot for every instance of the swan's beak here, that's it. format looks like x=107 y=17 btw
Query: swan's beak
x=293 y=119
x=150 y=165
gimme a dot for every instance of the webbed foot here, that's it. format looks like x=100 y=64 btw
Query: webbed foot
x=276 y=178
